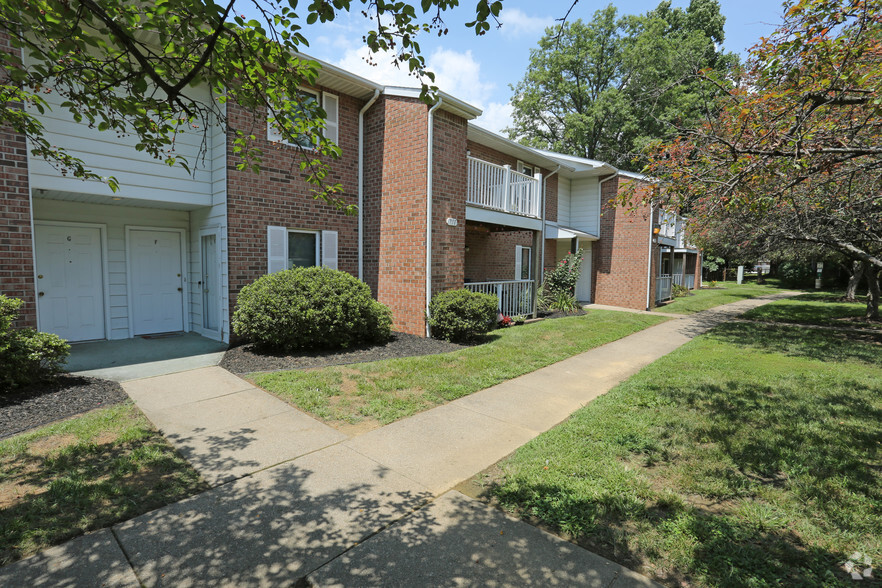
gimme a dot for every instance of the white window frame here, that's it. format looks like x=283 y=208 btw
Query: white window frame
x=330 y=103
x=523 y=167
x=318 y=245
x=519 y=262
x=326 y=247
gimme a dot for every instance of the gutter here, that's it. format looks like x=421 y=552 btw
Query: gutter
x=361 y=183
x=429 y=210
x=541 y=277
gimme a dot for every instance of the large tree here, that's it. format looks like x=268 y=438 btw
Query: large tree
x=605 y=88
x=792 y=150
x=141 y=67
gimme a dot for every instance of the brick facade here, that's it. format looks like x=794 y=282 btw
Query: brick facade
x=491 y=254
x=16 y=242
x=620 y=256
x=395 y=208
x=280 y=196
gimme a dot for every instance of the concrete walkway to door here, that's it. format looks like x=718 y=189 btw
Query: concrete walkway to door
x=296 y=501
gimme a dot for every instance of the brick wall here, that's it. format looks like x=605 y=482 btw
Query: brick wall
x=620 y=256
x=491 y=254
x=280 y=196
x=16 y=244
x=449 y=185
x=395 y=208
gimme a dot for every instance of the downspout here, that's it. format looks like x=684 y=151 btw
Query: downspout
x=361 y=183
x=541 y=277
x=430 y=146
x=649 y=257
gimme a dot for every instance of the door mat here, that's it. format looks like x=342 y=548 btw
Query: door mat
x=161 y=335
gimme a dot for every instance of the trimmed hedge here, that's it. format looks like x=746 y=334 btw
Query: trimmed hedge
x=313 y=307
x=26 y=356
x=462 y=315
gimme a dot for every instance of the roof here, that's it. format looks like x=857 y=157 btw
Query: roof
x=500 y=143
x=448 y=102
x=574 y=166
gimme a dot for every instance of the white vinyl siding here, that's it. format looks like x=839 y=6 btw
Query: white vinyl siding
x=563 y=201
x=140 y=175
x=585 y=206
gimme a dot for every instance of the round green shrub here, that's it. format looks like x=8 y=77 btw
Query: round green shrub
x=795 y=274
x=313 y=307
x=27 y=356
x=462 y=315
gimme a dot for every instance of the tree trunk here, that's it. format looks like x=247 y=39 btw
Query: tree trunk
x=854 y=280
x=872 y=275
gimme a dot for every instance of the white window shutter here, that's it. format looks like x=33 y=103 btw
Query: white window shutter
x=331 y=104
x=277 y=249
x=329 y=249
x=527 y=259
x=272 y=131
x=518 y=261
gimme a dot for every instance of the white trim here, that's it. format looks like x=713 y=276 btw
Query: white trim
x=430 y=148
x=105 y=268
x=185 y=284
x=214 y=230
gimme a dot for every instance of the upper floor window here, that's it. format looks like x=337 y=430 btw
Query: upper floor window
x=330 y=104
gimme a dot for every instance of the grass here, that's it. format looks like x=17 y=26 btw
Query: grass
x=817 y=308
x=83 y=474
x=385 y=391
x=752 y=456
x=724 y=293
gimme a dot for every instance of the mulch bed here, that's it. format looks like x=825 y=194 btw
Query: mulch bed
x=245 y=358
x=58 y=399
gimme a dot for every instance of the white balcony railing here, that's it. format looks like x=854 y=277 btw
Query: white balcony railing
x=688 y=280
x=663 y=288
x=498 y=187
x=515 y=297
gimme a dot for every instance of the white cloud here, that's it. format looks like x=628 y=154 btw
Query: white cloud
x=516 y=23
x=496 y=117
x=456 y=73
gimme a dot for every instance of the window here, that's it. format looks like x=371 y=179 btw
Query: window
x=523 y=263
x=330 y=104
x=303 y=249
x=526 y=169
x=287 y=248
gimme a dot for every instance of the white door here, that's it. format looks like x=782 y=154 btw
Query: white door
x=157 y=285
x=583 y=286
x=70 y=284
x=210 y=283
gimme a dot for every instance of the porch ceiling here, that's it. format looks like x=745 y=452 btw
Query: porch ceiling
x=117 y=200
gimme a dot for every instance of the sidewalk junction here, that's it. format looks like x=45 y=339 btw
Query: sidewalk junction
x=296 y=502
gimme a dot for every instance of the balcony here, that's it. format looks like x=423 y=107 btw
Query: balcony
x=515 y=296
x=499 y=188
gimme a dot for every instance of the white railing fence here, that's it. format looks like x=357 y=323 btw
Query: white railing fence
x=498 y=187
x=515 y=296
x=663 y=288
x=688 y=280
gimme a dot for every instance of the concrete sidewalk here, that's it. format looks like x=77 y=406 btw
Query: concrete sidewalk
x=295 y=499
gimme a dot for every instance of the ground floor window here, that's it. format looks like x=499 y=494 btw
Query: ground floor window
x=304 y=249
x=523 y=263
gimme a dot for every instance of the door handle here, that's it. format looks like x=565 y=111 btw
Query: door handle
x=41 y=293
x=180 y=289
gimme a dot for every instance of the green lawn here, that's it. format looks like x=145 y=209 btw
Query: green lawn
x=752 y=456
x=82 y=474
x=386 y=391
x=724 y=293
x=817 y=308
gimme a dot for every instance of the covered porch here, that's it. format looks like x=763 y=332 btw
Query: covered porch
x=677 y=267
x=503 y=261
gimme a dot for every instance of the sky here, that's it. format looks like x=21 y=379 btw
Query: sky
x=479 y=70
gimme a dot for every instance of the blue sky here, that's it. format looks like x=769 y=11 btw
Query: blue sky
x=480 y=69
